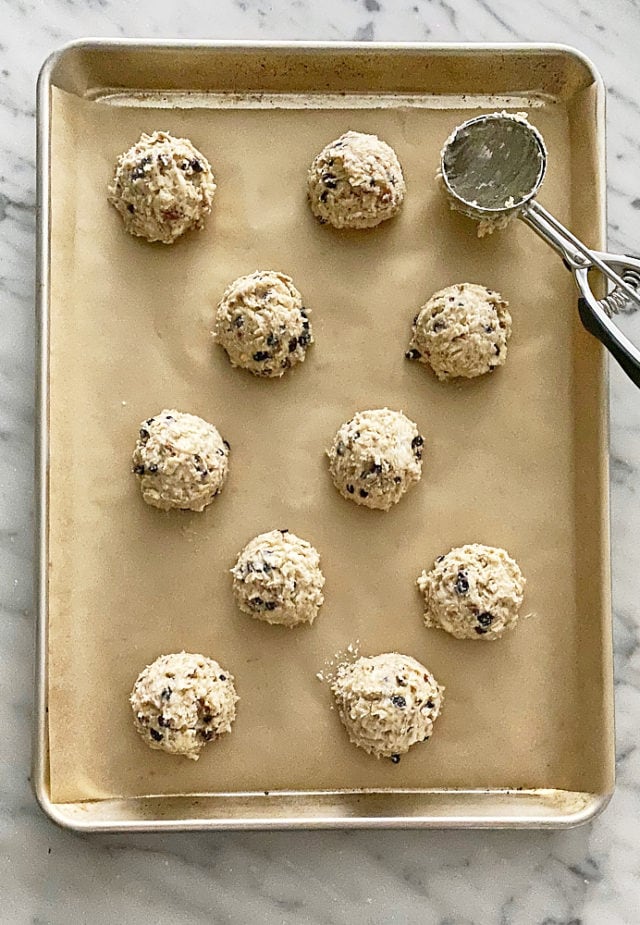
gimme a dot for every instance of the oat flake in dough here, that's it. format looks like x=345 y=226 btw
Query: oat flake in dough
x=376 y=457
x=181 y=461
x=474 y=592
x=162 y=187
x=277 y=578
x=462 y=331
x=355 y=182
x=183 y=701
x=262 y=324
x=387 y=703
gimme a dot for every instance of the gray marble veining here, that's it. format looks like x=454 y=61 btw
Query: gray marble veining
x=589 y=876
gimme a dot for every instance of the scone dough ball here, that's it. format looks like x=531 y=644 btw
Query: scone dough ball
x=277 y=579
x=162 y=187
x=376 y=457
x=182 y=701
x=181 y=461
x=461 y=331
x=387 y=703
x=474 y=592
x=355 y=182
x=262 y=323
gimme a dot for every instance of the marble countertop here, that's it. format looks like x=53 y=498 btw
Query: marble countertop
x=586 y=876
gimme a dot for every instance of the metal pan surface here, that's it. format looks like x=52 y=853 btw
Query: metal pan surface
x=526 y=738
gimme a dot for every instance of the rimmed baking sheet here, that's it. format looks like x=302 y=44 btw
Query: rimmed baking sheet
x=516 y=459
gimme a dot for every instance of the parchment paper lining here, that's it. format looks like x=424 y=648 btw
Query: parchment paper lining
x=508 y=461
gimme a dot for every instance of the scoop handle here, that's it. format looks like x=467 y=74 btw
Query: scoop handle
x=595 y=316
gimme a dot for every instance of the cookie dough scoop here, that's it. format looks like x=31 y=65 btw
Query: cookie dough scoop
x=180 y=461
x=263 y=324
x=473 y=592
x=278 y=579
x=461 y=332
x=183 y=701
x=356 y=181
x=376 y=457
x=387 y=703
x=492 y=167
x=162 y=187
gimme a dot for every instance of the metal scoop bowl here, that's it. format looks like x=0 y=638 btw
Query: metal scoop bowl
x=492 y=167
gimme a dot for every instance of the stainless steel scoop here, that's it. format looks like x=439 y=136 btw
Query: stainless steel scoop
x=492 y=167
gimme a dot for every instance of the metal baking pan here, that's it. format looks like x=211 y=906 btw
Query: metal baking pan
x=526 y=738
